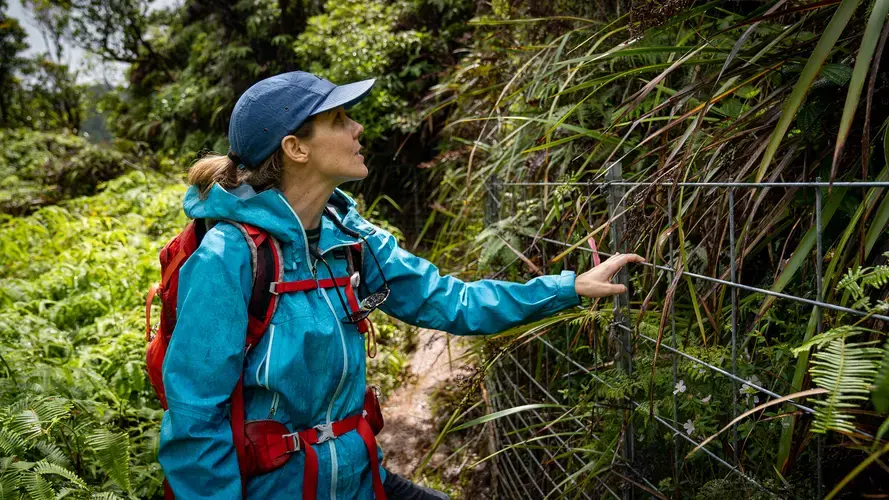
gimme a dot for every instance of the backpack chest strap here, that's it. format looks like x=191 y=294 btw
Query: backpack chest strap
x=279 y=287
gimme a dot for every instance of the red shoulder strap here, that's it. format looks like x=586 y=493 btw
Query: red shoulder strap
x=267 y=268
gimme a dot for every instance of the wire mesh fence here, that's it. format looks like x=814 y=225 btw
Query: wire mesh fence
x=588 y=380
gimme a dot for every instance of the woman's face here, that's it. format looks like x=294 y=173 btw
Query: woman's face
x=334 y=148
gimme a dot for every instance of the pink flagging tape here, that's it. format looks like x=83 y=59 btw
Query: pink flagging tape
x=596 y=260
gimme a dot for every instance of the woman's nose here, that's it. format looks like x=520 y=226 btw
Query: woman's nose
x=358 y=129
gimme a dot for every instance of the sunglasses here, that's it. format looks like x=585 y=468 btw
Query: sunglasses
x=369 y=303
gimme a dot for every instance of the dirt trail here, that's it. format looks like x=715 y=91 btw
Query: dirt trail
x=410 y=428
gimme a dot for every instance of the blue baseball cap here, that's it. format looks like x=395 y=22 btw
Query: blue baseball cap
x=273 y=108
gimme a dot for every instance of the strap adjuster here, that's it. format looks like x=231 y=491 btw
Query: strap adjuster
x=296 y=445
x=272 y=288
x=325 y=432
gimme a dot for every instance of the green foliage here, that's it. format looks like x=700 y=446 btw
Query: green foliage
x=183 y=86
x=41 y=168
x=389 y=369
x=679 y=91
x=12 y=43
x=847 y=370
x=355 y=40
x=76 y=411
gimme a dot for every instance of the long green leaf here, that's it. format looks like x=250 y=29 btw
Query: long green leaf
x=859 y=75
x=810 y=71
x=504 y=413
x=804 y=250
x=857 y=470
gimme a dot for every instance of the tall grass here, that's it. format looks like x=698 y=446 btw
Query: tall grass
x=716 y=91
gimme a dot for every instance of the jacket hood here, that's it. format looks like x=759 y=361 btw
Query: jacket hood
x=268 y=210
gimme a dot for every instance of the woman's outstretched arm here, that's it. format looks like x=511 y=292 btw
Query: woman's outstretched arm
x=420 y=295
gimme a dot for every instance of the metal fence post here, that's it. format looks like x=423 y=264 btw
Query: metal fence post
x=492 y=216
x=492 y=201
x=620 y=328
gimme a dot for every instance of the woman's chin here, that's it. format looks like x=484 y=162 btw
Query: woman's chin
x=357 y=173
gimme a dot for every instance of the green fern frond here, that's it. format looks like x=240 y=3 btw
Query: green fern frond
x=52 y=409
x=34 y=418
x=10 y=479
x=105 y=496
x=12 y=443
x=880 y=395
x=26 y=424
x=847 y=371
x=857 y=281
x=37 y=487
x=113 y=453
x=878 y=277
x=822 y=339
x=862 y=303
x=849 y=282
x=45 y=467
x=52 y=453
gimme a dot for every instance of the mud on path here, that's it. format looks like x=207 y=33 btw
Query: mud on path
x=410 y=429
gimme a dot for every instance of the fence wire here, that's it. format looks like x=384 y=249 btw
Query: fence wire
x=543 y=450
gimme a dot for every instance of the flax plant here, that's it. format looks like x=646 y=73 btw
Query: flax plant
x=715 y=92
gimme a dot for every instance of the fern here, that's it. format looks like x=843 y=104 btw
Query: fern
x=10 y=479
x=12 y=443
x=105 y=496
x=38 y=487
x=847 y=371
x=856 y=281
x=880 y=395
x=877 y=278
x=52 y=453
x=113 y=453
x=44 y=467
x=822 y=339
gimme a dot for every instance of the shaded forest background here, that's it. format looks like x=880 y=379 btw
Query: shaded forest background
x=472 y=94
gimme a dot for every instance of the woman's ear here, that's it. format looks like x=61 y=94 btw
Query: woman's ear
x=295 y=149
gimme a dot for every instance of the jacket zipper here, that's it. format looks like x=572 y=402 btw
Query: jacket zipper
x=266 y=360
x=268 y=355
x=336 y=393
x=321 y=292
x=274 y=407
x=331 y=446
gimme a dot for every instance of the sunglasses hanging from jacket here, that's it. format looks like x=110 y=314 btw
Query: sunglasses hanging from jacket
x=368 y=304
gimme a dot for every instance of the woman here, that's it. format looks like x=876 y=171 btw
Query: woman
x=292 y=144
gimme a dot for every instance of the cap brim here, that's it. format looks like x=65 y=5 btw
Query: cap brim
x=345 y=95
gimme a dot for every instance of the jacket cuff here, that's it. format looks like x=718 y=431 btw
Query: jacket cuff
x=566 y=296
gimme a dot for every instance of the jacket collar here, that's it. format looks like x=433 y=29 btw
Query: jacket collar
x=271 y=211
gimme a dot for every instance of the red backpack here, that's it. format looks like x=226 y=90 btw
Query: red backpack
x=256 y=442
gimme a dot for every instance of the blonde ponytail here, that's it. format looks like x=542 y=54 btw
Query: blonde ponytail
x=218 y=169
x=213 y=169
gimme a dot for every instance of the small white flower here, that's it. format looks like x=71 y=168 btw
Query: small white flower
x=707 y=399
x=748 y=390
x=680 y=387
x=689 y=427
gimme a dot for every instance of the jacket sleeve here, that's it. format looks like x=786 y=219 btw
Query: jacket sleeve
x=421 y=296
x=202 y=366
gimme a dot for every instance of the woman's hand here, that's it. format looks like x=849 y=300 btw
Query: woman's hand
x=596 y=282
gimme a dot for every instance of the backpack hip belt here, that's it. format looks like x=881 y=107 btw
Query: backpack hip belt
x=270 y=444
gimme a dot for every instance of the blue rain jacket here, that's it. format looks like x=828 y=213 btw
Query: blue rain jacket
x=309 y=368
